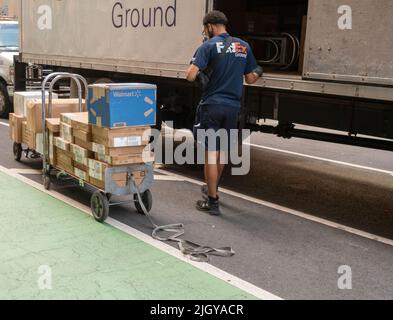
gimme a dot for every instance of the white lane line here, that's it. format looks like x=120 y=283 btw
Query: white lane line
x=26 y=171
x=167 y=178
x=321 y=159
x=205 y=267
x=4 y=124
x=291 y=211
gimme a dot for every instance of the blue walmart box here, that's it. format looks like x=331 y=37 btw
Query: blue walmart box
x=122 y=105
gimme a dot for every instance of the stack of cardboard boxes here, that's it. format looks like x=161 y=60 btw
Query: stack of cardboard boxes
x=115 y=132
x=121 y=116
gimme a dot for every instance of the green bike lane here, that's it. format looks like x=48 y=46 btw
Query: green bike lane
x=44 y=241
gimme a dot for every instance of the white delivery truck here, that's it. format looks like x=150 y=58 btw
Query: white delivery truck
x=328 y=63
x=9 y=47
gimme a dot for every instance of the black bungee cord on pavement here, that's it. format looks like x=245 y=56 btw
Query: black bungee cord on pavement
x=193 y=250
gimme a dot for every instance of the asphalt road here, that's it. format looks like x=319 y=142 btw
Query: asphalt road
x=286 y=255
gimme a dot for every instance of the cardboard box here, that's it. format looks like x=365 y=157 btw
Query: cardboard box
x=51 y=147
x=64 y=156
x=80 y=121
x=59 y=106
x=80 y=154
x=83 y=144
x=97 y=169
x=115 y=152
x=61 y=143
x=81 y=166
x=121 y=137
x=82 y=135
x=65 y=167
x=53 y=125
x=21 y=99
x=39 y=143
x=64 y=160
x=66 y=132
x=83 y=175
x=97 y=183
x=25 y=133
x=77 y=117
x=28 y=136
x=122 y=105
x=15 y=122
x=142 y=158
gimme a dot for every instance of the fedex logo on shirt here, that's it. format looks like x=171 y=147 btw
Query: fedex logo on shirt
x=236 y=48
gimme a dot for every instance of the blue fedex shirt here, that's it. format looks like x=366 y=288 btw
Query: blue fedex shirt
x=226 y=84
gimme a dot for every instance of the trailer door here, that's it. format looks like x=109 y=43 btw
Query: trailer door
x=350 y=40
x=111 y=35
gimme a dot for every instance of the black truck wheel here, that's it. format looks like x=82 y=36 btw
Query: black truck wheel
x=17 y=148
x=5 y=104
x=147 y=199
x=99 y=205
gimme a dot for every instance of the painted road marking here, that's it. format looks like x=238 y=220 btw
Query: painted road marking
x=4 y=124
x=212 y=270
x=188 y=133
x=167 y=178
x=26 y=171
x=291 y=211
x=38 y=172
x=321 y=159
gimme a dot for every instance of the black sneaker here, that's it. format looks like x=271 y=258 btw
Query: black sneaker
x=209 y=206
x=205 y=192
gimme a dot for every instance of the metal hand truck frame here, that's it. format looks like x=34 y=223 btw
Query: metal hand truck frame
x=100 y=201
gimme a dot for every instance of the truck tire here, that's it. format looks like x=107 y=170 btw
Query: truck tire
x=5 y=104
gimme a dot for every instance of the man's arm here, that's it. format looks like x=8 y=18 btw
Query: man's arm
x=198 y=62
x=253 y=72
x=253 y=76
x=192 y=72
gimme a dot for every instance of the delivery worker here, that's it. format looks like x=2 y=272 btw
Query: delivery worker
x=221 y=64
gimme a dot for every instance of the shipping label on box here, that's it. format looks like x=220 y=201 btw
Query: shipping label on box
x=97 y=169
x=81 y=174
x=81 y=155
x=124 y=137
x=61 y=143
x=66 y=132
x=131 y=141
x=122 y=105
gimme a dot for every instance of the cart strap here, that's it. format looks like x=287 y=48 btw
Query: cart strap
x=193 y=250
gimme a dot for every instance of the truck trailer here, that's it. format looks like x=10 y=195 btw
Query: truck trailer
x=328 y=63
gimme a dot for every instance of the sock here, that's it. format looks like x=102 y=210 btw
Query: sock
x=213 y=199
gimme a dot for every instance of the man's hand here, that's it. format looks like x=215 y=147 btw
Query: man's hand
x=192 y=72
x=253 y=76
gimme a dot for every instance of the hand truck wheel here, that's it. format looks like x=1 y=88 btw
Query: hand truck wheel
x=17 y=148
x=147 y=199
x=99 y=205
x=47 y=182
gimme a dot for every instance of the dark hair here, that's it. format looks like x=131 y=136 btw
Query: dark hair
x=215 y=17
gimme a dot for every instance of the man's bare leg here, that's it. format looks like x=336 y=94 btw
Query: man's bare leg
x=212 y=172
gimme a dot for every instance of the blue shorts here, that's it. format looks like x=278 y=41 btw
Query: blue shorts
x=220 y=119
